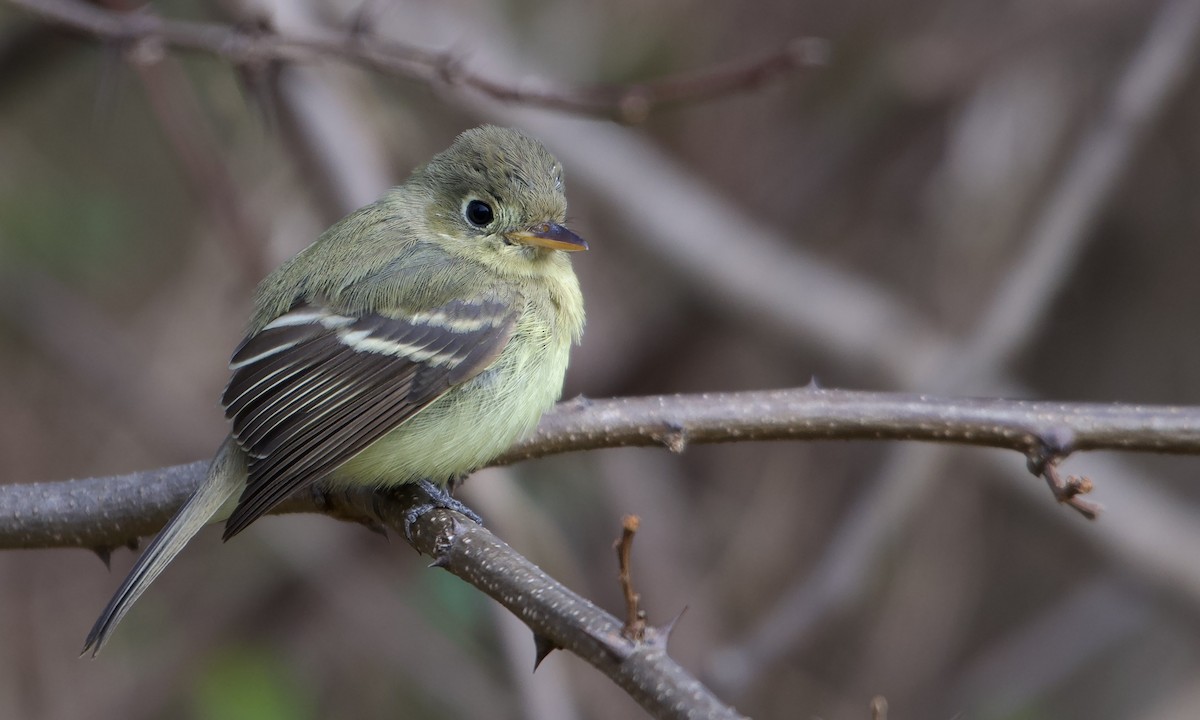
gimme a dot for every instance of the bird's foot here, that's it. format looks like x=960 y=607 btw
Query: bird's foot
x=439 y=498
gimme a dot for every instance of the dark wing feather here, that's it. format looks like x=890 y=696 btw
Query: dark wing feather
x=315 y=387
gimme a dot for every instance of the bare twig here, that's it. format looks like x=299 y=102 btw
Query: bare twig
x=630 y=103
x=1066 y=490
x=635 y=620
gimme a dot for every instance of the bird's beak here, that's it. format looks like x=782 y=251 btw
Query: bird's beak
x=549 y=235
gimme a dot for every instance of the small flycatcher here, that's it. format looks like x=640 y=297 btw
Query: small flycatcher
x=415 y=341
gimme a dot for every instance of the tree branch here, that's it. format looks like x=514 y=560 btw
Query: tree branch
x=109 y=512
x=102 y=513
x=558 y=617
x=147 y=32
x=812 y=413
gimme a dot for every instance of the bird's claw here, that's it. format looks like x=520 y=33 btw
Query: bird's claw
x=439 y=498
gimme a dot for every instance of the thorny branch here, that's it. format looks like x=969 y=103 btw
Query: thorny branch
x=109 y=511
x=558 y=617
x=102 y=513
x=145 y=35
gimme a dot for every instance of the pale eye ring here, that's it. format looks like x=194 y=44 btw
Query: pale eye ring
x=479 y=213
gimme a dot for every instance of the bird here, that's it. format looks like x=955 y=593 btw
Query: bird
x=413 y=342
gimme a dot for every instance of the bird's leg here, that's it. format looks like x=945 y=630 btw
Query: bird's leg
x=439 y=497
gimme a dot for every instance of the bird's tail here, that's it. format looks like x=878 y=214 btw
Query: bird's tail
x=226 y=475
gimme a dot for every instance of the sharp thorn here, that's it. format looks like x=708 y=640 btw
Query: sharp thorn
x=669 y=628
x=105 y=555
x=543 y=647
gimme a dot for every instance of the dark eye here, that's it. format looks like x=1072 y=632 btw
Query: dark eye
x=479 y=213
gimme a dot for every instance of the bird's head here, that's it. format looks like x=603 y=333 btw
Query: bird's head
x=497 y=195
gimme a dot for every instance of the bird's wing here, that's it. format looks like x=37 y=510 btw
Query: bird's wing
x=315 y=386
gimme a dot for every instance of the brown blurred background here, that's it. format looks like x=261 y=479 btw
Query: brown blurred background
x=971 y=198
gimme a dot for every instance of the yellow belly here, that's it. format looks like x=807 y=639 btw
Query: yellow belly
x=471 y=424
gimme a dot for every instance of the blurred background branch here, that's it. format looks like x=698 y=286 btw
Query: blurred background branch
x=140 y=33
x=1057 y=238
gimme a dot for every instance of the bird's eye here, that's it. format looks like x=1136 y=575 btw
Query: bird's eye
x=479 y=213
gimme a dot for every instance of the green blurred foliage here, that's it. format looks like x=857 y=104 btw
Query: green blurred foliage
x=245 y=683
x=83 y=242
